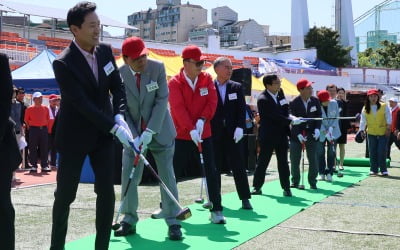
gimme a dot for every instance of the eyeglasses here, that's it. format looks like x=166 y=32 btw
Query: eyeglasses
x=198 y=64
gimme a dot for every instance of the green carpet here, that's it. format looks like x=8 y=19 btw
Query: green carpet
x=270 y=209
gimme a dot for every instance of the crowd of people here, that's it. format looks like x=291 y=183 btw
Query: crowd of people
x=191 y=121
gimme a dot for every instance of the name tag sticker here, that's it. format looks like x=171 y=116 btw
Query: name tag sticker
x=203 y=91
x=313 y=109
x=152 y=86
x=232 y=96
x=109 y=68
x=283 y=102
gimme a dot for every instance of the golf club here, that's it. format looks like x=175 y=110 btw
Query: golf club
x=332 y=118
x=184 y=213
x=208 y=204
x=200 y=200
x=303 y=146
x=116 y=224
x=339 y=174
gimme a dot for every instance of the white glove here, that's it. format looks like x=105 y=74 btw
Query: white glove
x=136 y=143
x=297 y=121
x=330 y=130
x=124 y=136
x=195 y=137
x=301 y=138
x=238 y=134
x=145 y=139
x=200 y=126
x=22 y=143
x=316 y=134
x=119 y=119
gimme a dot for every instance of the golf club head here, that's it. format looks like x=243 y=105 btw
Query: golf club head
x=184 y=214
x=301 y=187
x=340 y=174
x=208 y=205
x=199 y=200
x=115 y=226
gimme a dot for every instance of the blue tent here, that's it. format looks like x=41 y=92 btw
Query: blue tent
x=37 y=74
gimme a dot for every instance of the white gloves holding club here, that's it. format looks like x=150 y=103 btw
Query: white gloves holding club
x=301 y=138
x=194 y=134
x=297 y=121
x=328 y=135
x=238 y=134
x=122 y=131
x=200 y=126
x=22 y=142
x=316 y=134
x=146 y=138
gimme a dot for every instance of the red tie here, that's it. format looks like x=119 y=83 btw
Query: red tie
x=143 y=124
x=138 y=81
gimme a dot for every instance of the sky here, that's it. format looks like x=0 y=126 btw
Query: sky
x=266 y=12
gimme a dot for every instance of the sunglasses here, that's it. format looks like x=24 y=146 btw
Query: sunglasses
x=198 y=64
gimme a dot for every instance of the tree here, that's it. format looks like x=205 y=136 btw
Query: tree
x=328 y=46
x=388 y=56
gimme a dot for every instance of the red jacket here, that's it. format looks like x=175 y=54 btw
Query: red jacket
x=394 y=119
x=187 y=106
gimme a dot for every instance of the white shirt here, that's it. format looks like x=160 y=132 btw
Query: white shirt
x=191 y=84
x=221 y=90
x=91 y=60
x=305 y=103
x=363 y=121
x=274 y=96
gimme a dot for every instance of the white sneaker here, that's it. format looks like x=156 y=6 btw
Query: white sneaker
x=321 y=177
x=46 y=169
x=217 y=217
x=329 y=177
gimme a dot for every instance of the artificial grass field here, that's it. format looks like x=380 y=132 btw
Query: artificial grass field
x=270 y=209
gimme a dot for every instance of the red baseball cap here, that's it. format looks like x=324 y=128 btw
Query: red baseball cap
x=303 y=83
x=372 y=92
x=193 y=52
x=134 y=47
x=53 y=97
x=323 y=96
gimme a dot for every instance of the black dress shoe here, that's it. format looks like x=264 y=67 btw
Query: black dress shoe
x=256 y=191
x=174 y=232
x=246 y=204
x=294 y=185
x=125 y=230
x=287 y=193
x=313 y=186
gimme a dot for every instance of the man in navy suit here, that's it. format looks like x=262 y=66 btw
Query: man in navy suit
x=307 y=106
x=227 y=127
x=273 y=133
x=87 y=74
x=10 y=156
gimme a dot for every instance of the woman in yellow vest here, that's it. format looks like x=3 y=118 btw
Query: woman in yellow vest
x=377 y=118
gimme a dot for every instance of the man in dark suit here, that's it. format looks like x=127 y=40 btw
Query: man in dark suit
x=307 y=106
x=9 y=155
x=273 y=133
x=227 y=127
x=86 y=73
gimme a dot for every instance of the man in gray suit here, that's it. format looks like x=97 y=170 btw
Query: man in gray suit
x=330 y=132
x=150 y=122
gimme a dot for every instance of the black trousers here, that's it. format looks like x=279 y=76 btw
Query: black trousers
x=280 y=145
x=38 y=138
x=7 y=213
x=68 y=176
x=52 y=150
x=392 y=139
x=186 y=153
x=229 y=155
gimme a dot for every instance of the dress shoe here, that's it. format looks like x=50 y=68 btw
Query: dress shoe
x=294 y=185
x=174 y=232
x=313 y=186
x=246 y=204
x=125 y=229
x=256 y=191
x=287 y=193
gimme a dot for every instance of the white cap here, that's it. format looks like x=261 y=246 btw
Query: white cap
x=393 y=99
x=36 y=95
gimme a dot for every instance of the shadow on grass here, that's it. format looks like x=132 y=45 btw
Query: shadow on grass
x=138 y=242
x=213 y=232
x=391 y=177
x=243 y=214
x=293 y=201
